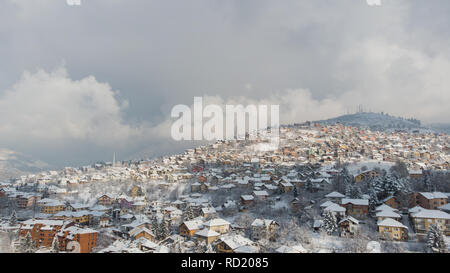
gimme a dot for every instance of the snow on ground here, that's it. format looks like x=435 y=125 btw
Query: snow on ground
x=5 y=244
x=355 y=168
x=323 y=243
x=281 y=204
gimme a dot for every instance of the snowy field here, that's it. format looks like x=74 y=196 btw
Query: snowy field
x=356 y=168
x=5 y=246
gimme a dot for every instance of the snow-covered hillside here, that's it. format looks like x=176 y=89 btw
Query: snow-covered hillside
x=376 y=121
x=13 y=164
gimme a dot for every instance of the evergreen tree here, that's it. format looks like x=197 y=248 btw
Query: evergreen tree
x=200 y=247
x=353 y=191
x=373 y=199
x=163 y=230
x=189 y=214
x=435 y=240
x=399 y=170
x=177 y=248
x=13 y=219
x=426 y=181
x=388 y=185
x=377 y=185
x=295 y=192
x=45 y=193
x=155 y=226
x=329 y=222
x=346 y=176
x=209 y=249
x=309 y=185
x=28 y=246
x=55 y=244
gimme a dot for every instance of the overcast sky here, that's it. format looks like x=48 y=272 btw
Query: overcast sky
x=79 y=82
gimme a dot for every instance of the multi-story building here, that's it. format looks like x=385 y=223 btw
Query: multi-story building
x=86 y=239
x=393 y=229
x=428 y=200
x=423 y=218
x=42 y=231
x=357 y=208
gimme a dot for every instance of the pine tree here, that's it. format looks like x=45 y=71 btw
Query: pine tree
x=329 y=222
x=189 y=214
x=427 y=185
x=435 y=240
x=155 y=226
x=377 y=185
x=295 y=192
x=373 y=199
x=55 y=244
x=347 y=177
x=388 y=185
x=200 y=247
x=309 y=185
x=353 y=191
x=28 y=245
x=163 y=231
x=45 y=193
x=13 y=219
x=209 y=249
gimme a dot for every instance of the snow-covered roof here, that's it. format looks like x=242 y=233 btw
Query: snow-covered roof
x=146 y=243
x=349 y=218
x=235 y=241
x=433 y=195
x=433 y=214
x=208 y=210
x=388 y=213
x=415 y=209
x=206 y=232
x=247 y=197
x=335 y=208
x=79 y=206
x=445 y=207
x=76 y=230
x=260 y=193
x=262 y=222
x=291 y=249
x=384 y=207
x=194 y=224
x=415 y=172
x=335 y=194
x=326 y=204
x=361 y=202
x=246 y=249
x=99 y=208
x=389 y=222
x=135 y=231
x=216 y=222
x=43 y=222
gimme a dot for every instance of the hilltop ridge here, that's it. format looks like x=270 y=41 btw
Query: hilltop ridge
x=376 y=121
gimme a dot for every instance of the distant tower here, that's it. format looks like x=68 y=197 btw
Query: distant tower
x=114 y=159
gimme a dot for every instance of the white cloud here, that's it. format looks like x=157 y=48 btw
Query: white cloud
x=397 y=79
x=45 y=106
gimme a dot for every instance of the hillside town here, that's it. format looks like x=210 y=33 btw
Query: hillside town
x=325 y=188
